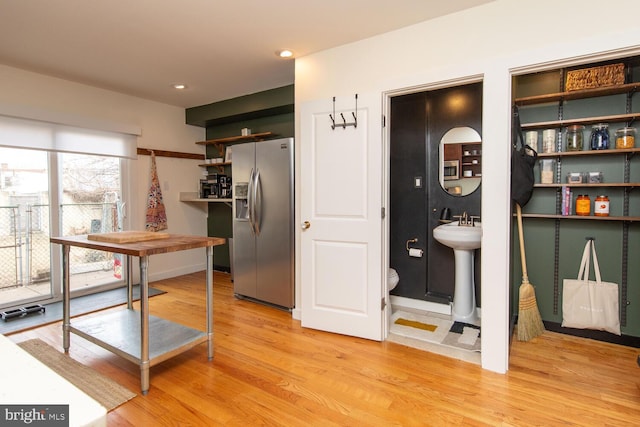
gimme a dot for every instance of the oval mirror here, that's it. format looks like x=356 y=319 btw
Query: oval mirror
x=460 y=161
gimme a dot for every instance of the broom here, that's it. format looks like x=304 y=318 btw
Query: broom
x=529 y=321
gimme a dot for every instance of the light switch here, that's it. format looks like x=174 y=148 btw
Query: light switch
x=417 y=182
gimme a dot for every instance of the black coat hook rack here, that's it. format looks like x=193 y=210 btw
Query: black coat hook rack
x=344 y=123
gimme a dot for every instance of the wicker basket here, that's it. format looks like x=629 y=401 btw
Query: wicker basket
x=590 y=78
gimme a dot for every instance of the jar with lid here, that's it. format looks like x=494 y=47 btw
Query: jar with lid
x=583 y=205
x=600 y=136
x=626 y=138
x=574 y=138
x=601 y=206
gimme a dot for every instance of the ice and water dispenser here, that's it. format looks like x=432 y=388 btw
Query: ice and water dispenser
x=241 y=202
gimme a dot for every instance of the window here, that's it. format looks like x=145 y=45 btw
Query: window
x=52 y=183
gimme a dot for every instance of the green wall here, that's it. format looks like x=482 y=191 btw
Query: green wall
x=267 y=111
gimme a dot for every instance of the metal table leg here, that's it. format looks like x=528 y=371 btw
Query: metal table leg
x=144 y=324
x=209 y=273
x=129 y=283
x=66 y=306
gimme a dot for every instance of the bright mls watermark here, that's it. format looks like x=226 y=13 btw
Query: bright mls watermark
x=34 y=415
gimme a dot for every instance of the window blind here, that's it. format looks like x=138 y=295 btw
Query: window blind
x=33 y=134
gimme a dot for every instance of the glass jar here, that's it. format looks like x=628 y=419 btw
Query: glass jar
x=626 y=138
x=549 y=141
x=600 y=137
x=574 y=138
x=601 y=206
x=583 y=205
x=547 y=169
x=531 y=139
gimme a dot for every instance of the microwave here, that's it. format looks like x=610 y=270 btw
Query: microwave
x=451 y=169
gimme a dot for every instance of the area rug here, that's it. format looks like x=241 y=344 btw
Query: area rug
x=464 y=336
x=436 y=330
x=421 y=327
x=105 y=391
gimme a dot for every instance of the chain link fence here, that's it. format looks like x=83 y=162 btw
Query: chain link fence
x=25 y=250
x=87 y=218
x=10 y=247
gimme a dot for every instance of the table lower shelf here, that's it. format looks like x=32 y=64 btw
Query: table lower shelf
x=119 y=332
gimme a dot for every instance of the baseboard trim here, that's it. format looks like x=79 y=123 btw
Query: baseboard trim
x=626 y=340
x=416 y=304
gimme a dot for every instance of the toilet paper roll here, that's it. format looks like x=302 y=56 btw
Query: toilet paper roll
x=415 y=252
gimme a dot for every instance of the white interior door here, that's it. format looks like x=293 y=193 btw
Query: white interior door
x=341 y=199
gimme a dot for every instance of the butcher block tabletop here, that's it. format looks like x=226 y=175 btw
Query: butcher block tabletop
x=148 y=246
x=127 y=236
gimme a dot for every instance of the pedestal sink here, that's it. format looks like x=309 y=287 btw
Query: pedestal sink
x=464 y=240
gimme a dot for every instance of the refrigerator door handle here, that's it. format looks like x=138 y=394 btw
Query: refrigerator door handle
x=257 y=203
x=250 y=202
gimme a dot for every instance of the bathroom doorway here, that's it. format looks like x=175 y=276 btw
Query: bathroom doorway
x=416 y=194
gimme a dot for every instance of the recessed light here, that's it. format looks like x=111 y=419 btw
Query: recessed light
x=179 y=86
x=285 y=53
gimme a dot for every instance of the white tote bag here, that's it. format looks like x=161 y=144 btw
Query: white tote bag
x=587 y=304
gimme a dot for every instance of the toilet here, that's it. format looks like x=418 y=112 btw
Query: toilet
x=392 y=279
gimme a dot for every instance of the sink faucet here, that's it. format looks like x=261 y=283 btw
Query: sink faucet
x=463 y=219
x=466 y=220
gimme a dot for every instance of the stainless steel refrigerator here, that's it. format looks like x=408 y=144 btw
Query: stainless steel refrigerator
x=263 y=238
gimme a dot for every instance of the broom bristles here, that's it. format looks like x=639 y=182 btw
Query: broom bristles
x=529 y=321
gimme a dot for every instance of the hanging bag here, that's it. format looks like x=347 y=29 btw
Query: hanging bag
x=587 y=304
x=523 y=159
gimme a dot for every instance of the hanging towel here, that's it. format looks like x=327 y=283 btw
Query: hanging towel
x=156 y=215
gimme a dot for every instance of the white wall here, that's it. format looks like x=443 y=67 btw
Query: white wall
x=163 y=128
x=491 y=41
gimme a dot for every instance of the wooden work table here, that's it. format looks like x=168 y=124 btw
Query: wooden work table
x=142 y=339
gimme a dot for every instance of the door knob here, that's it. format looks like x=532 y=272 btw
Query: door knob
x=306 y=225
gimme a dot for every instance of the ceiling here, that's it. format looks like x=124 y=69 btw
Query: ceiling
x=220 y=49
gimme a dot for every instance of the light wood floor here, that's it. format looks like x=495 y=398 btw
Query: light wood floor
x=267 y=370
